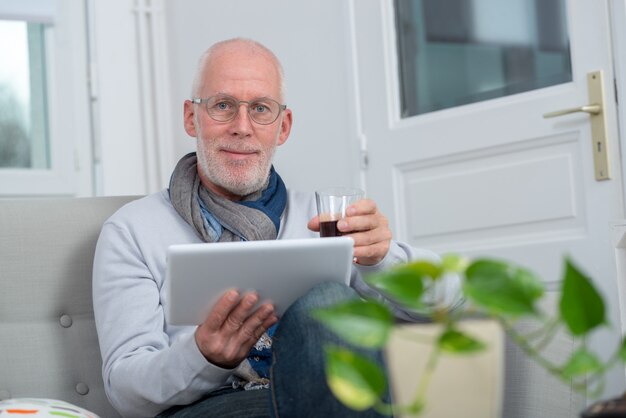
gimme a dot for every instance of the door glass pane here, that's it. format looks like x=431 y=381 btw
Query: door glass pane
x=23 y=108
x=456 y=52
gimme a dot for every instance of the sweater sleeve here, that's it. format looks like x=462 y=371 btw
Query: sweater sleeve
x=446 y=293
x=144 y=370
x=302 y=207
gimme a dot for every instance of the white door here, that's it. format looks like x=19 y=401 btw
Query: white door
x=492 y=176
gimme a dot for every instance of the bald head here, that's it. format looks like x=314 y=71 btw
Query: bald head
x=229 y=49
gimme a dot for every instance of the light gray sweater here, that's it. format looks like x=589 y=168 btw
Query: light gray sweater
x=149 y=365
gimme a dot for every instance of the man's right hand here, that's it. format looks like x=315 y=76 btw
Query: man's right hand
x=232 y=328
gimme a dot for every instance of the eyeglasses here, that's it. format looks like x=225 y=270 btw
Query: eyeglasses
x=224 y=108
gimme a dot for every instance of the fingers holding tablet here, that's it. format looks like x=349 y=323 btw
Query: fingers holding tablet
x=232 y=327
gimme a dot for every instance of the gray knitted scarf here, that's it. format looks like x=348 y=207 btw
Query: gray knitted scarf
x=215 y=218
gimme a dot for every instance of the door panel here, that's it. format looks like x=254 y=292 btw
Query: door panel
x=505 y=178
x=494 y=177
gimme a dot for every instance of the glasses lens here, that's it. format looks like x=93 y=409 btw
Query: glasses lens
x=222 y=108
x=264 y=111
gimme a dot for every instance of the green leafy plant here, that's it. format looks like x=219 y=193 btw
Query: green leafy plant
x=491 y=288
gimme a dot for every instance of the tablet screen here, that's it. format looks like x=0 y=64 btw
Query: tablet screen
x=280 y=271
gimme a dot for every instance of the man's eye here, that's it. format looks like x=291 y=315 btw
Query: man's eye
x=260 y=108
x=222 y=106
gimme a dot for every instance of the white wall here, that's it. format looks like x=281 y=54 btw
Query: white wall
x=129 y=114
x=136 y=156
x=310 y=39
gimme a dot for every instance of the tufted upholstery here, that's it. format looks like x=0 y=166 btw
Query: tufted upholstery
x=48 y=341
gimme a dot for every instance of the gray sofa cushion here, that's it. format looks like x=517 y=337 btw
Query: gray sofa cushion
x=48 y=341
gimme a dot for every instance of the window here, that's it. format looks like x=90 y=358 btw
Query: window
x=456 y=52
x=24 y=132
x=44 y=98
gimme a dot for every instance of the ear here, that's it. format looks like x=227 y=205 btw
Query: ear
x=285 y=126
x=189 y=119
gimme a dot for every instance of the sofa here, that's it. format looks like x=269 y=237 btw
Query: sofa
x=48 y=341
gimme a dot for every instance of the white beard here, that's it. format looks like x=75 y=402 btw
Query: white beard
x=236 y=178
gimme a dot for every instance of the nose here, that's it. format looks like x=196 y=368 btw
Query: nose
x=242 y=125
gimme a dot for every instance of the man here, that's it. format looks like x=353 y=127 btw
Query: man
x=228 y=191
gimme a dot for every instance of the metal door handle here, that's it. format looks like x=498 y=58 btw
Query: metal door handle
x=593 y=109
x=597 y=117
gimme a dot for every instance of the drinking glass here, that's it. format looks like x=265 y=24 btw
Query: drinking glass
x=332 y=203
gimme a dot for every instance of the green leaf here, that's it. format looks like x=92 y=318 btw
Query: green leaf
x=581 y=363
x=581 y=306
x=454 y=263
x=405 y=283
x=457 y=342
x=354 y=379
x=365 y=323
x=502 y=288
x=424 y=268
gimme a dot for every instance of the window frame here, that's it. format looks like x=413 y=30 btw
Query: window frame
x=68 y=110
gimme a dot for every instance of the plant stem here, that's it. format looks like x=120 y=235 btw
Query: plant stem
x=542 y=331
x=529 y=349
x=412 y=336
x=426 y=377
x=384 y=408
x=550 y=334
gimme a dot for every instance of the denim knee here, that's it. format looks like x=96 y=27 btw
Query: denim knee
x=299 y=387
x=324 y=294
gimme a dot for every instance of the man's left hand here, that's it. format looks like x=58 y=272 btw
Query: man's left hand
x=367 y=227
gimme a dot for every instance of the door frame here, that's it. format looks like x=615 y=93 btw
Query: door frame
x=617 y=18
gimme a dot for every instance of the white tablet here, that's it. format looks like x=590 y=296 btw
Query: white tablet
x=280 y=271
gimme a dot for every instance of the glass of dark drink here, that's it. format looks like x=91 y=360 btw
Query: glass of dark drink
x=331 y=207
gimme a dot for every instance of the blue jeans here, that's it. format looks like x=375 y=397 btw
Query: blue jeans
x=298 y=386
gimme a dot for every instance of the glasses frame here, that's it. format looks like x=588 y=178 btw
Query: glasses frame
x=198 y=100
